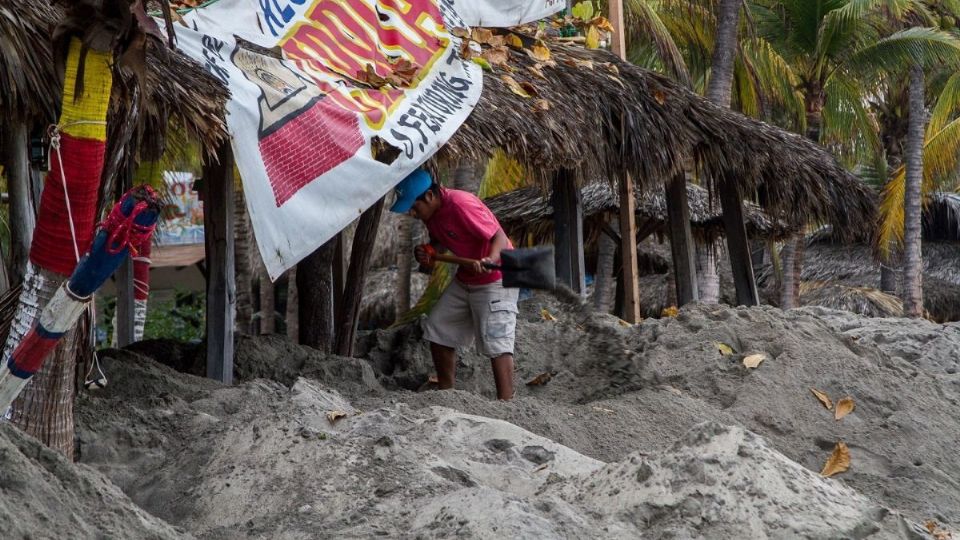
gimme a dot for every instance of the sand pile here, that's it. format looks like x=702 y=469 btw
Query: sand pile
x=645 y=430
x=44 y=496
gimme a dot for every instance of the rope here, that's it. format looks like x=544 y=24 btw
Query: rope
x=54 y=133
x=124 y=231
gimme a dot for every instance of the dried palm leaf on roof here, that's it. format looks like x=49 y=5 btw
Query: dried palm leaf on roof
x=528 y=210
x=28 y=85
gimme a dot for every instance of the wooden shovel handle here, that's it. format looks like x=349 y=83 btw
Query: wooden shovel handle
x=446 y=257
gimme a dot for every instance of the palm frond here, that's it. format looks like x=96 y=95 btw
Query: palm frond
x=918 y=45
x=947 y=106
x=890 y=227
x=503 y=174
x=776 y=78
x=647 y=24
x=848 y=126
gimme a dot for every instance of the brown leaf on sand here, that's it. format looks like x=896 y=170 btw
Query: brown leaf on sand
x=540 y=379
x=333 y=416
x=824 y=398
x=724 y=349
x=838 y=462
x=753 y=360
x=844 y=407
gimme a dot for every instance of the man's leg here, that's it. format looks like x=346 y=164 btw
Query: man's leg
x=503 y=375
x=445 y=362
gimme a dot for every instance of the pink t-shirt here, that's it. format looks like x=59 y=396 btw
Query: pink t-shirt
x=465 y=226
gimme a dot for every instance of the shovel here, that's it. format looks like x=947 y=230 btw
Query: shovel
x=532 y=268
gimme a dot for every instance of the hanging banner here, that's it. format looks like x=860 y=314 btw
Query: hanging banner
x=333 y=102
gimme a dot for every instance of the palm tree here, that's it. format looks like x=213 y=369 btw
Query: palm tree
x=834 y=50
x=912 y=287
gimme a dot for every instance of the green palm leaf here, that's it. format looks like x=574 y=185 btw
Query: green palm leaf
x=924 y=46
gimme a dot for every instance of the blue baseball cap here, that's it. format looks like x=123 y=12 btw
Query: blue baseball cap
x=414 y=185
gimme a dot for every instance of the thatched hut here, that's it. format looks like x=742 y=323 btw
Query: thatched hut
x=529 y=211
x=604 y=117
x=831 y=268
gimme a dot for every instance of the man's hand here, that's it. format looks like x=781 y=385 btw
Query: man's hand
x=422 y=254
x=480 y=267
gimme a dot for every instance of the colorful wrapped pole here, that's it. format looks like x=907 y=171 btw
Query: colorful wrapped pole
x=130 y=223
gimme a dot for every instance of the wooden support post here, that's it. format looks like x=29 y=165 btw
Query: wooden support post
x=125 y=303
x=124 y=276
x=681 y=240
x=568 y=232
x=23 y=215
x=738 y=247
x=363 y=241
x=619 y=45
x=338 y=277
x=218 y=219
x=628 y=250
x=316 y=293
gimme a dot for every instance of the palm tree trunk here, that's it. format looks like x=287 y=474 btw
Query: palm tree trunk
x=316 y=291
x=725 y=47
x=465 y=177
x=605 y=285
x=790 y=275
x=242 y=262
x=912 y=258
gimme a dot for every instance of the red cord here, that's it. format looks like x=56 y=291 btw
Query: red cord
x=123 y=231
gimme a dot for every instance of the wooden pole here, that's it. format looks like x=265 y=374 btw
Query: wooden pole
x=738 y=246
x=628 y=251
x=628 y=218
x=124 y=275
x=363 y=242
x=218 y=219
x=316 y=291
x=23 y=215
x=568 y=232
x=681 y=240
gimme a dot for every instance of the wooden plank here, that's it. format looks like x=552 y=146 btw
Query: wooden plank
x=681 y=240
x=628 y=250
x=568 y=235
x=218 y=219
x=363 y=242
x=738 y=247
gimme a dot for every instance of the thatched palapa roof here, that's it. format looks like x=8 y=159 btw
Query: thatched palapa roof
x=528 y=210
x=607 y=117
x=179 y=91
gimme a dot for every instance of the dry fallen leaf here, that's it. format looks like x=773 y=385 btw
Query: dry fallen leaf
x=482 y=35
x=497 y=41
x=540 y=379
x=536 y=71
x=541 y=105
x=529 y=88
x=602 y=409
x=660 y=96
x=333 y=416
x=838 y=462
x=931 y=526
x=514 y=86
x=670 y=311
x=624 y=323
x=824 y=398
x=754 y=360
x=547 y=316
x=497 y=56
x=514 y=41
x=540 y=53
x=844 y=407
x=482 y=62
x=460 y=32
x=724 y=349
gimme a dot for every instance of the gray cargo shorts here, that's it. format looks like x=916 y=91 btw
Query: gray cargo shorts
x=485 y=313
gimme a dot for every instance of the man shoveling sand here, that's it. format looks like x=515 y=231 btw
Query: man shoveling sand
x=475 y=306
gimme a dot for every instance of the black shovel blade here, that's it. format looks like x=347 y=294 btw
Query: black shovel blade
x=532 y=268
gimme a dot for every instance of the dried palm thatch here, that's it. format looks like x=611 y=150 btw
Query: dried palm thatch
x=941 y=217
x=601 y=117
x=26 y=82
x=528 y=211
x=865 y=301
x=179 y=94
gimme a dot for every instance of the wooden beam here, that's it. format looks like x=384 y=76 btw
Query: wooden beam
x=681 y=240
x=568 y=232
x=218 y=219
x=738 y=246
x=125 y=303
x=628 y=250
x=363 y=242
